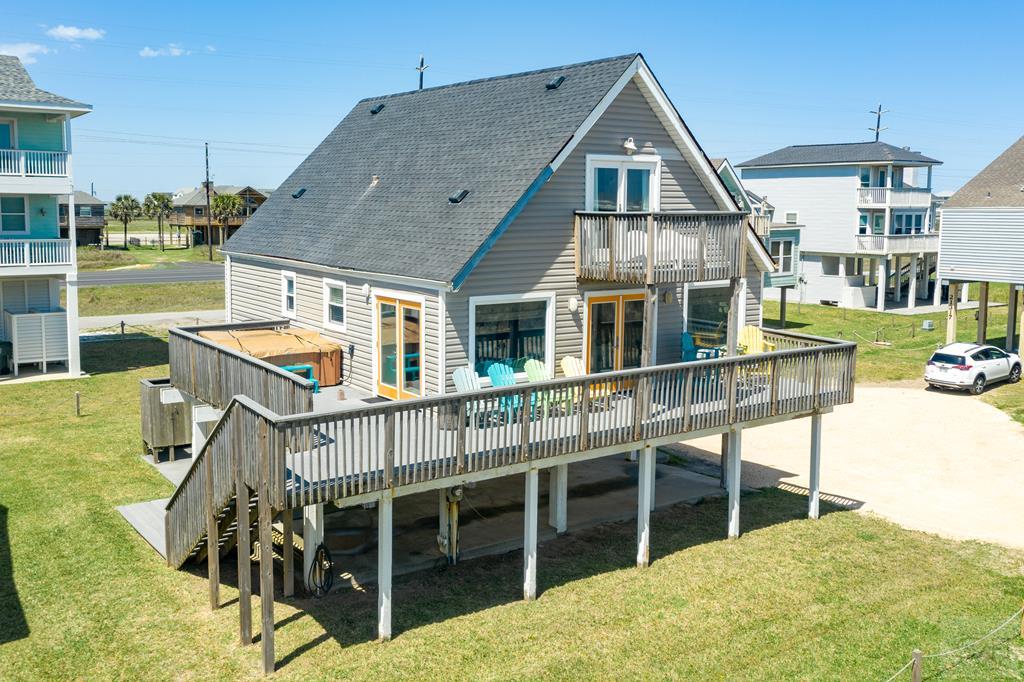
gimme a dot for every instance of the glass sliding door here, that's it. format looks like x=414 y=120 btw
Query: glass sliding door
x=399 y=348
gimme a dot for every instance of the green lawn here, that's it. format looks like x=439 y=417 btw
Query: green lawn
x=910 y=347
x=846 y=597
x=150 y=298
x=96 y=258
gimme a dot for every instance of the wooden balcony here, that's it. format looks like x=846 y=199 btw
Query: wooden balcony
x=896 y=244
x=686 y=247
x=895 y=197
x=185 y=220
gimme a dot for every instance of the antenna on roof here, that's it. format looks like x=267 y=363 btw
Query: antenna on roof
x=878 y=120
x=421 y=68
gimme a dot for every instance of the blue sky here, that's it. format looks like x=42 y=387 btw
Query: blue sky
x=265 y=82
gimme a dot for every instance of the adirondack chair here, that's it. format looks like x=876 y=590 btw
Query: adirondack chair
x=751 y=340
x=538 y=371
x=691 y=352
x=573 y=367
x=503 y=375
x=468 y=381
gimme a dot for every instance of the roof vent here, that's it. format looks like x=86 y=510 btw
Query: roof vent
x=555 y=82
x=298 y=193
x=374 y=179
x=377 y=109
x=457 y=198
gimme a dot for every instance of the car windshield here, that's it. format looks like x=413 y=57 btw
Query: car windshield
x=949 y=359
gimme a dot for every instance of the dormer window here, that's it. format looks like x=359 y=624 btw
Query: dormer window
x=623 y=184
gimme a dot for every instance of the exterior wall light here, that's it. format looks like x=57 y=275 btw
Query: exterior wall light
x=574 y=304
x=629 y=146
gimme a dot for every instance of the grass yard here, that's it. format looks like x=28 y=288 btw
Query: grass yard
x=95 y=258
x=846 y=597
x=910 y=346
x=149 y=298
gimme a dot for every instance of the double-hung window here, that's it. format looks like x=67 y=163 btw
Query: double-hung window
x=511 y=330
x=13 y=215
x=85 y=211
x=334 y=305
x=623 y=184
x=288 y=293
x=782 y=252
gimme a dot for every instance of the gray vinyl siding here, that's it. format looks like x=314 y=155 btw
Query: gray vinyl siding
x=536 y=252
x=982 y=245
x=255 y=289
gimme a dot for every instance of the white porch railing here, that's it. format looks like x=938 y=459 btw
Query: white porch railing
x=25 y=162
x=898 y=243
x=34 y=252
x=902 y=197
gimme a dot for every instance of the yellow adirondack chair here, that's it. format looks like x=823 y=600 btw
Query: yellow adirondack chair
x=572 y=366
x=752 y=341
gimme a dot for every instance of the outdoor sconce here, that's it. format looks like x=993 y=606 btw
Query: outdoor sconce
x=366 y=290
x=666 y=298
x=574 y=304
x=42 y=211
x=629 y=146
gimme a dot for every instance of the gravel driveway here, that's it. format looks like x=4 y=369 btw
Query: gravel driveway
x=945 y=463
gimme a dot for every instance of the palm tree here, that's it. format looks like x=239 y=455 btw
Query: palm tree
x=125 y=208
x=158 y=205
x=224 y=207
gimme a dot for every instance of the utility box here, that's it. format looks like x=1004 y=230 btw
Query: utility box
x=166 y=419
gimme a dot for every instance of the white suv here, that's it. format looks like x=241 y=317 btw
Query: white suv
x=971 y=366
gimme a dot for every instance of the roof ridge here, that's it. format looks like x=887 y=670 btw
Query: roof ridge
x=475 y=81
x=842 y=144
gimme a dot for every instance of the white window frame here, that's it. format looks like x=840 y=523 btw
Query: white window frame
x=27 y=214
x=14 y=130
x=651 y=162
x=85 y=211
x=329 y=284
x=549 y=326
x=780 y=259
x=287 y=275
x=796 y=217
x=715 y=284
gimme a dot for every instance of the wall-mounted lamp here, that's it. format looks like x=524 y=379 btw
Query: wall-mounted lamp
x=42 y=211
x=666 y=298
x=366 y=290
x=629 y=145
x=574 y=304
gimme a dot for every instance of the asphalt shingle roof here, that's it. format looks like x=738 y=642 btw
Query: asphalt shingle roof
x=847 y=152
x=492 y=137
x=1000 y=184
x=17 y=87
x=82 y=198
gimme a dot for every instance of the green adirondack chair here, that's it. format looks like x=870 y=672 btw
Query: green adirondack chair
x=538 y=371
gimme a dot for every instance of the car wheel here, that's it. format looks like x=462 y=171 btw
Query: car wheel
x=978 y=387
x=1014 y=374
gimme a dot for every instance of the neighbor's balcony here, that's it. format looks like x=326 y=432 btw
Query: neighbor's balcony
x=898 y=243
x=183 y=220
x=33 y=254
x=902 y=197
x=658 y=248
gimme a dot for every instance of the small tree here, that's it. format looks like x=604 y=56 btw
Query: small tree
x=125 y=209
x=158 y=205
x=224 y=207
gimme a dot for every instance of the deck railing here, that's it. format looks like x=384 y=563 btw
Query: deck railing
x=319 y=457
x=898 y=243
x=658 y=248
x=215 y=374
x=900 y=197
x=34 y=252
x=24 y=162
x=186 y=220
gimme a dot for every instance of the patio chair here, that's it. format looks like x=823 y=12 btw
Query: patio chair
x=751 y=340
x=503 y=375
x=538 y=371
x=573 y=367
x=691 y=352
x=466 y=380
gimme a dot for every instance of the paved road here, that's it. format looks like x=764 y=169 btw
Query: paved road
x=186 y=272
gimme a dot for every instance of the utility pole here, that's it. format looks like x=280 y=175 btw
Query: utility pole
x=421 y=68
x=209 y=218
x=878 y=120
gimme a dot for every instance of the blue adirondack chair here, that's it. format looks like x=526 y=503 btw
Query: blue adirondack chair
x=691 y=352
x=503 y=375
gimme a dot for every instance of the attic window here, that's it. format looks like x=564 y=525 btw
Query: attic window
x=298 y=193
x=377 y=109
x=457 y=198
x=555 y=82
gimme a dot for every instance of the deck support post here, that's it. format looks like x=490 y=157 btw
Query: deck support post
x=384 y=537
x=266 y=517
x=643 y=511
x=782 y=307
x=953 y=299
x=212 y=535
x=312 y=537
x=1011 y=319
x=558 y=494
x=530 y=537
x=653 y=473
x=1020 y=321
x=448 y=502
x=733 y=481
x=288 y=552
x=912 y=284
x=723 y=461
x=965 y=292
x=244 y=562
x=897 y=268
x=983 y=312
x=882 y=282
x=937 y=292
x=814 y=483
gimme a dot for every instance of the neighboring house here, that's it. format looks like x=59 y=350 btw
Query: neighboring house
x=865 y=214
x=373 y=227
x=90 y=219
x=35 y=261
x=190 y=208
x=983 y=238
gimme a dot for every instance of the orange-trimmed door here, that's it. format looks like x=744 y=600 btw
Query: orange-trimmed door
x=615 y=332
x=399 y=348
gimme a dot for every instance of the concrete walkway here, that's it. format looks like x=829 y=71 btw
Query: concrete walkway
x=945 y=463
x=152 y=319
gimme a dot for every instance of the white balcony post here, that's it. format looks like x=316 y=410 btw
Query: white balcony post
x=312 y=536
x=937 y=294
x=558 y=493
x=733 y=480
x=530 y=537
x=384 y=552
x=643 y=511
x=814 y=483
x=964 y=291
x=71 y=319
x=912 y=288
x=882 y=278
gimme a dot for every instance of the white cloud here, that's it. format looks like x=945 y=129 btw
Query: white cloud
x=171 y=50
x=62 y=32
x=211 y=48
x=26 y=52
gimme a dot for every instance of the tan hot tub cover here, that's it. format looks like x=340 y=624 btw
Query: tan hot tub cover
x=291 y=346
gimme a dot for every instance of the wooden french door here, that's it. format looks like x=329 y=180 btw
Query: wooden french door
x=615 y=332
x=399 y=348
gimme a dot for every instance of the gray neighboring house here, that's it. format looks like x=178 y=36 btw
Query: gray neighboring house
x=982 y=238
x=90 y=218
x=452 y=209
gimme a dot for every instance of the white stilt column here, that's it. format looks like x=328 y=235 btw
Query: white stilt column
x=558 y=494
x=912 y=290
x=814 y=485
x=643 y=510
x=384 y=535
x=937 y=294
x=733 y=481
x=965 y=290
x=653 y=474
x=897 y=290
x=530 y=537
x=882 y=279
x=71 y=306
x=312 y=536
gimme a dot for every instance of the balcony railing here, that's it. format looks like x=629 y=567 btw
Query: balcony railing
x=901 y=197
x=22 y=162
x=898 y=243
x=686 y=247
x=184 y=220
x=34 y=252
